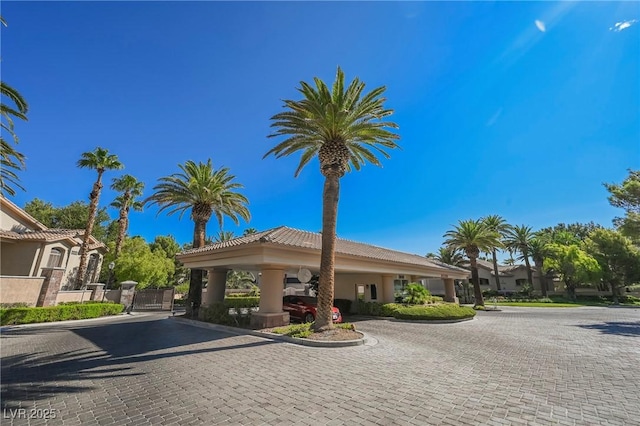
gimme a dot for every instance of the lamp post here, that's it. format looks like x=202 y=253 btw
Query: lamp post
x=110 y=266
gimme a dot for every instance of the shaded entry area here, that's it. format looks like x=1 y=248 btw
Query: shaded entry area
x=152 y=299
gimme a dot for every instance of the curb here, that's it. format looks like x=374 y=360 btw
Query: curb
x=295 y=340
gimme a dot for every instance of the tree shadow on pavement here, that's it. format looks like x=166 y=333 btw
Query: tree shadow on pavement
x=42 y=375
x=628 y=329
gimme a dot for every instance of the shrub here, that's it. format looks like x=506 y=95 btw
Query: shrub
x=182 y=288
x=343 y=304
x=416 y=294
x=58 y=313
x=295 y=330
x=376 y=309
x=13 y=305
x=438 y=312
x=234 y=311
x=242 y=302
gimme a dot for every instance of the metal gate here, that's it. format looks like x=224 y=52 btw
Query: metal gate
x=152 y=299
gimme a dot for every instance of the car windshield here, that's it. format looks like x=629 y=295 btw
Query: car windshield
x=309 y=300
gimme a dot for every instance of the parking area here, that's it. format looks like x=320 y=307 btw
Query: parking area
x=519 y=366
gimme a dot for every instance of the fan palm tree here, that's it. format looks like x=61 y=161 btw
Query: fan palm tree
x=10 y=159
x=472 y=236
x=344 y=128
x=518 y=239
x=130 y=188
x=500 y=226
x=99 y=160
x=450 y=256
x=205 y=192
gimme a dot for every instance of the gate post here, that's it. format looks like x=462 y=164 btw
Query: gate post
x=127 y=291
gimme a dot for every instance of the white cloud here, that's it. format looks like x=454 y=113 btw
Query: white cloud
x=619 y=26
x=540 y=25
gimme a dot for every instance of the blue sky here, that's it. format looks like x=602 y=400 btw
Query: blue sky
x=498 y=113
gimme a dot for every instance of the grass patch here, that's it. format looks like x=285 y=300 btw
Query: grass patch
x=304 y=330
x=78 y=311
x=537 y=304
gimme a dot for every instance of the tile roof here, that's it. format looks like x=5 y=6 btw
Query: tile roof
x=48 y=235
x=503 y=270
x=290 y=237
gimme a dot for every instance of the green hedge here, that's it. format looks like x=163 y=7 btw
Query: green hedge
x=58 y=313
x=415 y=312
x=436 y=312
x=242 y=302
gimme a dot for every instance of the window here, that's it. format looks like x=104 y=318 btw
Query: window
x=55 y=258
x=521 y=282
x=484 y=281
x=374 y=292
x=399 y=285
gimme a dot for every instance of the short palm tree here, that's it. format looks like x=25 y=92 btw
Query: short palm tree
x=450 y=256
x=129 y=188
x=205 y=192
x=500 y=226
x=344 y=128
x=10 y=159
x=99 y=160
x=518 y=239
x=472 y=236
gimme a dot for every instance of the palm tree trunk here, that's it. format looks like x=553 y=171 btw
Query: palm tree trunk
x=541 y=278
x=84 y=249
x=330 y=196
x=475 y=279
x=122 y=230
x=194 y=299
x=495 y=269
x=528 y=265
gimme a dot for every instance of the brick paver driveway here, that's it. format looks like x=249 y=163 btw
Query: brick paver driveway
x=519 y=366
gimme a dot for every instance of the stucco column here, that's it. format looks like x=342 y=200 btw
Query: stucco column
x=50 y=286
x=449 y=290
x=216 y=286
x=270 y=313
x=271 y=286
x=387 y=289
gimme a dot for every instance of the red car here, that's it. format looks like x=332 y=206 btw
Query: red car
x=303 y=308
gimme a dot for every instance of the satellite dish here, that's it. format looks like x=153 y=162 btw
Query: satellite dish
x=304 y=275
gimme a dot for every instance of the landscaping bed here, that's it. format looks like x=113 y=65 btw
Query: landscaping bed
x=340 y=332
x=434 y=312
x=15 y=316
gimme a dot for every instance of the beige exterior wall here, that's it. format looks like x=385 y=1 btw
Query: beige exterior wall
x=19 y=258
x=20 y=289
x=345 y=286
x=73 y=296
x=9 y=221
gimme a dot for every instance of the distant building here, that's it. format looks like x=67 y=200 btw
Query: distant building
x=27 y=246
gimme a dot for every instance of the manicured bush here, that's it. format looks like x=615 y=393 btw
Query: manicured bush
x=242 y=302
x=416 y=294
x=58 y=313
x=343 y=304
x=376 y=309
x=437 y=312
x=218 y=313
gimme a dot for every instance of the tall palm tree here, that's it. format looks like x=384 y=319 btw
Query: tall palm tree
x=500 y=226
x=10 y=159
x=539 y=250
x=344 y=129
x=518 y=239
x=450 y=256
x=249 y=231
x=472 y=236
x=205 y=192
x=130 y=188
x=99 y=160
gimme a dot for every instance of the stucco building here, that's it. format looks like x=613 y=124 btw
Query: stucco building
x=361 y=270
x=27 y=247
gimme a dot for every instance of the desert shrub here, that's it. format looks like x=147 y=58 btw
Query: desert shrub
x=58 y=313
x=416 y=294
x=304 y=330
x=438 y=312
x=343 y=304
